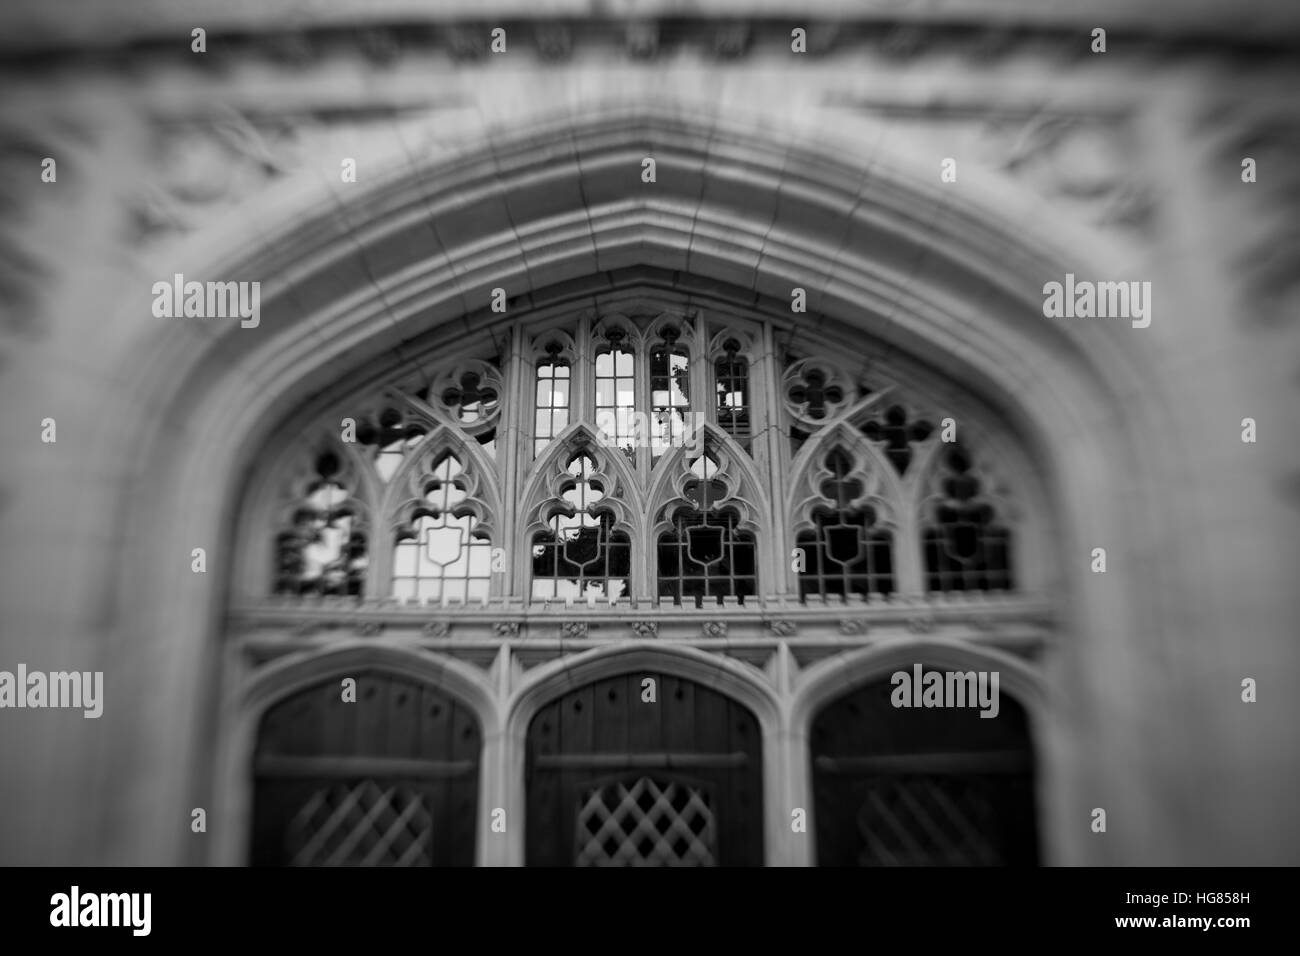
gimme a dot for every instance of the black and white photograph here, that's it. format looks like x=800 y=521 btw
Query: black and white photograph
x=650 y=433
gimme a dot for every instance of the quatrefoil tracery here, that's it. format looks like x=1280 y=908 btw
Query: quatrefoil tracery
x=468 y=394
x=816 y=391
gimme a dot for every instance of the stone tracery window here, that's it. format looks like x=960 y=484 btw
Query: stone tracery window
x=874 y=501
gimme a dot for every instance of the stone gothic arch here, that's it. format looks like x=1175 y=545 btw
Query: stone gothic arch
x=543 y=212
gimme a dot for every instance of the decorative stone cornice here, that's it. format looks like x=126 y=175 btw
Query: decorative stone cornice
x=431 y=30
x=920 y=624
x=780 y=617
x=554 y=41
x=641 y=38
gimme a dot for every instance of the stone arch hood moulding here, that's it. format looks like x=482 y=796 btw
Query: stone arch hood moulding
x=345 y=286
x=348 y=276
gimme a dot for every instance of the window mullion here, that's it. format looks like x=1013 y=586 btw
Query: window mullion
x=513 y=463
x=582 y=390
x=703 y=394
x=909 y=558
x=780 y=577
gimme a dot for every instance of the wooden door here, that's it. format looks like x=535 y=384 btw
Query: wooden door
x=616 y=780
x=389 y=780
x=921 y=787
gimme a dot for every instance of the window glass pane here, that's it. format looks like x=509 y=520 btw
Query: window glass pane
x=552 y=400
x=845 y=554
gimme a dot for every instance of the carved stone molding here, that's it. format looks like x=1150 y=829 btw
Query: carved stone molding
x=642 y=39
x=554 y=41
x=207 y=165
x=467 y=43
x=1266 y=250
x=1090 y=163
x=921 y=624
x=731 y=40
x=897 y=31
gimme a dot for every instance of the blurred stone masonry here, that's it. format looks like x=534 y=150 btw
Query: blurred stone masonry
x=776 y=170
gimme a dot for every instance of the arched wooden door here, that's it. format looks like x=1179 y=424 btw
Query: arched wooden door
x=614 y=779
x=922 y=786
x=388 y=780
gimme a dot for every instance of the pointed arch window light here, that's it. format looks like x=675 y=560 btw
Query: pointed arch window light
x=616 y=392
x=551 y=403
x=705 y=556
x=731 y=381
x=670 y=393
x=966 y=547
x=442 y=555
x=324 y=552
x=580 y=555
x=846 y=554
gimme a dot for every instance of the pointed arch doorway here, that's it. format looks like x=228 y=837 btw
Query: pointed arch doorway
x=644 y=769
x=903 y=787
x=381 y=773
